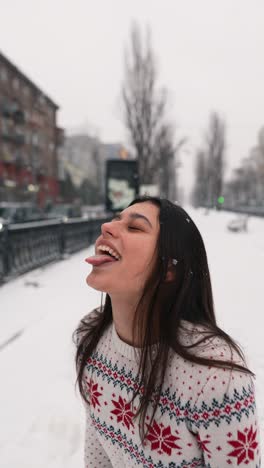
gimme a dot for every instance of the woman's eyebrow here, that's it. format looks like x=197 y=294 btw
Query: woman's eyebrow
x=135 y=216
x=140 y=216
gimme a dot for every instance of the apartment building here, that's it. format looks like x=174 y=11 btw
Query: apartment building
x=29 y=139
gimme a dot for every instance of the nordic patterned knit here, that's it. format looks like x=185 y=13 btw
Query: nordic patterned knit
x=206 y=416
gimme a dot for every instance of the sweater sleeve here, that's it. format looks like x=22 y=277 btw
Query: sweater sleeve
x=224 y=421
x=94 y=453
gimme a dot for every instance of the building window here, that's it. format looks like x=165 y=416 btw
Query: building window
x=26 y=159
x=3 y=74
x=35 y=139
x=41 y=99
x=5 y=127
x=27 y=138
x=16 y=84
x=51 y=113
x=26 y=90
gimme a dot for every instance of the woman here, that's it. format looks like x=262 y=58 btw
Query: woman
x=163 y=385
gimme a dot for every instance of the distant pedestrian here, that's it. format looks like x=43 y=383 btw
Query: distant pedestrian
x=163 y=385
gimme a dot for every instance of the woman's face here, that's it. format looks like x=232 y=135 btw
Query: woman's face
x=133 y=236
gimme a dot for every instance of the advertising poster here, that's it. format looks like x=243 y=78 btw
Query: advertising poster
x=121 y=183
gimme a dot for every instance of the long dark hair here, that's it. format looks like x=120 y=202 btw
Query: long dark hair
x=188 y=297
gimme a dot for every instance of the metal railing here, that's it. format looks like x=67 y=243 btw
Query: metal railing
x=26 y=246
x=240 y=209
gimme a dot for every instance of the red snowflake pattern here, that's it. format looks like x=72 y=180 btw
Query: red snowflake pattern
x=93 y=393
x=161 y=438
x=244 y=446
x=202 y=444
x=123 y=412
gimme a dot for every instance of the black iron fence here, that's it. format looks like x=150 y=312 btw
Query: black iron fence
x=26 y=246
x=248 y=210
x=241 y=209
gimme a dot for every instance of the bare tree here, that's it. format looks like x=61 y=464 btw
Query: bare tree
x=167 y=159
x=246 y=186
x=97 y=160
x=257 y=158
x=215 y=146
x=242 y=188
x=199 y=194
x=144 y=111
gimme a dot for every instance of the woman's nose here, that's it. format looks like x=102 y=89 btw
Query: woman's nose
x=109 y=228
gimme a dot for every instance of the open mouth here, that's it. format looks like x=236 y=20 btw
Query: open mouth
x=103 y=255
x=105 y=250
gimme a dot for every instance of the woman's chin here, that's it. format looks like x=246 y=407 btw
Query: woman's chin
x=91 y=281
x=95 y=283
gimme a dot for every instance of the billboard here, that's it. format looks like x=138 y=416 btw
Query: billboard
x=121 y=183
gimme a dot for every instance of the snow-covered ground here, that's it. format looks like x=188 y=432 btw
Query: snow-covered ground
x=41 y=415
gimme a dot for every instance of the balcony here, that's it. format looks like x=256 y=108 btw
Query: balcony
x=12 y=111
x=59 y=136
x=17 y=138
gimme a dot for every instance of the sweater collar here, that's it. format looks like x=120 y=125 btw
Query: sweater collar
x=123 y=348
x=132 y=353
x=126 y=350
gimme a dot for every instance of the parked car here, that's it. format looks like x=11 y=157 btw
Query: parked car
x=93 y=211
x=64 y=211
x=12 y=212
x=238 y=224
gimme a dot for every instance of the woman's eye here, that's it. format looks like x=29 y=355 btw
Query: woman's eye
x=133 y=228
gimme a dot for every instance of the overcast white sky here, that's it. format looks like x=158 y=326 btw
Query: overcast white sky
x=210 y=56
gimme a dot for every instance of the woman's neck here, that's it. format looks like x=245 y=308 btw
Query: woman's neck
x=124 y=310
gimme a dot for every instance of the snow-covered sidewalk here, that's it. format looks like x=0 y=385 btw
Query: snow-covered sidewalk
x=42 y=419
x=41 y=415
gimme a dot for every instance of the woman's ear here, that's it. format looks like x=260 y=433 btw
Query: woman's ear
x=171 y=271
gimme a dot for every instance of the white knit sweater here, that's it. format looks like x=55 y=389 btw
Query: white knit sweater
x=206 y=416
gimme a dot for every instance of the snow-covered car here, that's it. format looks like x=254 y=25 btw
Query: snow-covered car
x=12 y=212
x=239 y=224
x=64 y=211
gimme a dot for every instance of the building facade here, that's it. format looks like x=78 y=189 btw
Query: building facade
x=29 y=139
x=84 y=158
